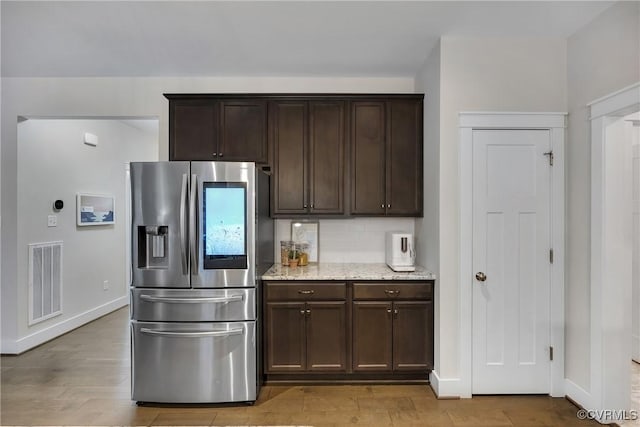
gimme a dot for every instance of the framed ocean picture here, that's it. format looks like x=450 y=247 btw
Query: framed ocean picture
x=95 y=209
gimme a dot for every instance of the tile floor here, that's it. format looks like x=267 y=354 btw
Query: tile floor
x=82 y=378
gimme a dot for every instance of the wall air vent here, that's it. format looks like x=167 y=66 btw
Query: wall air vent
x=45 y=281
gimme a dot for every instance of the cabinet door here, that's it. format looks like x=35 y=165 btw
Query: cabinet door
x=372 y=336
x=404 y=157
x=326 y=157
x=368 y=172
x=285 y=337
x=327 y=336
x=243 y=130
x=288 y=130
x=193 y=129
x=413 y=336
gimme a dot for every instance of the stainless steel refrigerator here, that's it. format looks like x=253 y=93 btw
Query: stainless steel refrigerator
x=201 y=238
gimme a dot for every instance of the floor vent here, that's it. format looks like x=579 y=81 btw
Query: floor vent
x=45 y=281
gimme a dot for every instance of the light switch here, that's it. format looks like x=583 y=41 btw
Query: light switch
x=52 y=221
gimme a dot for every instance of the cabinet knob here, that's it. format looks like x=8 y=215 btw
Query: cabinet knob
x=215 y=154
x=220 y=154
x=308 y=312
x=388 y=206
x=382 y=206
x=305 y=206
x=302 y=312
x=311 y=205
x=389 y=310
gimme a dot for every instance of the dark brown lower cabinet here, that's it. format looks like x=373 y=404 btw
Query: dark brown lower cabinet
x=326 y=327
x=372 y=336
x=354 y=331
x=285 y=333
x=412 y=335
x=305 y=336
x=392 y=335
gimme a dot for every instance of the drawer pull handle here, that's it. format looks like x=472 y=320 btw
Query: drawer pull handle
x=306 y=292
x=201 y=300
x=187 y=334
x=391 y=292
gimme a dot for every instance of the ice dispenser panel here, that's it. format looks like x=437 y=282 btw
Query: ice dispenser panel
x=153 y=248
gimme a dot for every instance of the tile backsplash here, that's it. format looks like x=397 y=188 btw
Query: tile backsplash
x=350 y=240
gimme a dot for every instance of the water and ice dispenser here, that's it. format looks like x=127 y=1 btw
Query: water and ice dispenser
x=153 y=246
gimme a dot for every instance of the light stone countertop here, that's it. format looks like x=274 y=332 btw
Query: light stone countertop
x=344 y=271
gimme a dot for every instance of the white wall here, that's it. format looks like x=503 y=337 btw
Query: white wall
x=139 y=96
x=480 y=74
x=428 y=227
x=53 y=163
x=350 y=240
x=602 y=57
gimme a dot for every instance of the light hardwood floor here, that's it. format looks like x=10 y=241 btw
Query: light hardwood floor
x=82 y=378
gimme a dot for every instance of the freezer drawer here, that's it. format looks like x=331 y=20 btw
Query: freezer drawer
x=192 y=305
x=193 y=362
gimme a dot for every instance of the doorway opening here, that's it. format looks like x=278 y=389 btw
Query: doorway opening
x=59 y=159
x=613 y=230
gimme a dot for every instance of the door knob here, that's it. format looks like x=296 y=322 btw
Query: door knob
x=481 y=277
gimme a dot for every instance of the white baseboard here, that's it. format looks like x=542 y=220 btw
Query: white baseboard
x=444 y=388
x=635 y=346
x=33 y=340
x=578 y=394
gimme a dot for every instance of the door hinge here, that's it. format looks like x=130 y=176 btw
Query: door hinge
x=550 y=154
x=551 y=256
x=551 y=353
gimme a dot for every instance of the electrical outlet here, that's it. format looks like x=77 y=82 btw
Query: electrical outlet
x=52 y=221
x=105 y=285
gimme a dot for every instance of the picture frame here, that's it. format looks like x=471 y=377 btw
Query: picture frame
x=307 y=231
x=95 y=209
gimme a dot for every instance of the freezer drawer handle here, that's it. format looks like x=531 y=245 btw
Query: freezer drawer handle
x=231 y=298
x=204 y=334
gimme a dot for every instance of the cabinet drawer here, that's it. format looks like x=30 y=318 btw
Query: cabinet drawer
x=392 y=290
x=306 y=291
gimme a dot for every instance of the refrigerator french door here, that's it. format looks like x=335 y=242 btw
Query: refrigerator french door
x=201 y=236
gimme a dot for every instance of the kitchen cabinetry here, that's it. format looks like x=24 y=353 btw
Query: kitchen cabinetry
x=305 y=327
x=386 y=157
x=348 y=330
x=308 y=140
x=331 y=154
x=392 y=327
x=213 y=128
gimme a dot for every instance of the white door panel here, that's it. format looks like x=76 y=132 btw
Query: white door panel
x=511 y=242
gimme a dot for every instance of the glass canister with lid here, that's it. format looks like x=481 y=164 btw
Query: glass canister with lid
x=303 y=253
x=286 y=246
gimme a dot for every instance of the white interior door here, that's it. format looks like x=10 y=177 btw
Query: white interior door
x=635 y=311
x=511 y=248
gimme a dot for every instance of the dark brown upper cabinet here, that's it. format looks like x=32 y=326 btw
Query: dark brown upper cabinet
x=386 y=157
x=308 y=142
x=243 y=131
x=211 y=128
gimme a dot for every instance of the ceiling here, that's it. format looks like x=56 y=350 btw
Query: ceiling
x=243 y=38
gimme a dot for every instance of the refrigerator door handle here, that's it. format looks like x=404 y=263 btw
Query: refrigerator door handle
x=193 y=223
x=231 y=298
x=205 y=334
x=183 y=223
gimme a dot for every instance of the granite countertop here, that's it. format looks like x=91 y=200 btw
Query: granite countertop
x=344 y=271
